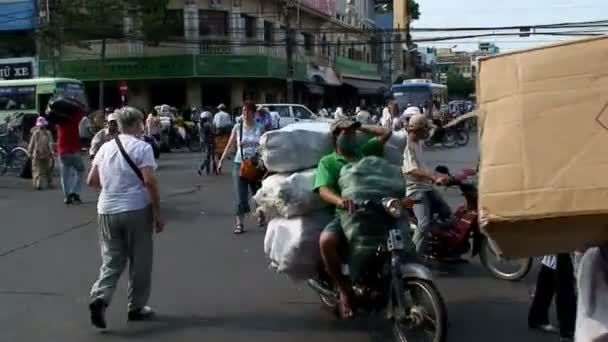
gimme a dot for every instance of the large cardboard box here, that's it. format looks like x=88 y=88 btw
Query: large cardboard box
x=544 y=147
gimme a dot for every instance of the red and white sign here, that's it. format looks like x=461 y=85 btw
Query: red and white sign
x=327 y=7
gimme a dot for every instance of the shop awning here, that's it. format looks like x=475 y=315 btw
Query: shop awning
x=365 y=87
x=314 y=89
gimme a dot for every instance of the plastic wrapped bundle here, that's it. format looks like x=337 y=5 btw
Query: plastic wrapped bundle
x=295 y=147
x=292 y=245
x=371 y=178
x=289 y=196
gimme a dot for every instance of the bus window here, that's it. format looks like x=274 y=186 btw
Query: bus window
x=17 y=98
x=71 y=89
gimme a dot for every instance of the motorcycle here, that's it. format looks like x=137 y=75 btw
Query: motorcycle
x=448 y=136
x=463 y=234
x=393 y=283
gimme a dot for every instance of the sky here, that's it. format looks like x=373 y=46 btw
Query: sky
x=467 y=13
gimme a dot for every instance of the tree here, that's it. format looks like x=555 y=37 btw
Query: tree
x=83 y=23
x=458 y=85
x=414 y=8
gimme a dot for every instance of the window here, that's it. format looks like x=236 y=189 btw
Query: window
x=213 y=23
x=70 y=89
x=174 y=21
x=268 y=32
x=301 y=113
x=282 y=110
x=250 y=28
x=308 y=42
x=17 y=98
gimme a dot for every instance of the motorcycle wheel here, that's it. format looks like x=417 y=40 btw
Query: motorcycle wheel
x=425 y=318
x=503 y=268
x=461 y=137
x=449 y=138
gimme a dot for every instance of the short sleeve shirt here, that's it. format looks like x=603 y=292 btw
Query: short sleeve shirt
x=412 y=160
x=328 y=170
x=121 y=189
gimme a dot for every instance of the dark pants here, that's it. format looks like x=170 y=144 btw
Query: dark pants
x=208 y=159
x=559 y=283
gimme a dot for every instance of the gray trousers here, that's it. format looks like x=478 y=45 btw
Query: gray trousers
x=125 y=237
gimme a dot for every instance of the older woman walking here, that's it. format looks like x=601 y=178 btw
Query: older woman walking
x=128 y=211
x=245 y=137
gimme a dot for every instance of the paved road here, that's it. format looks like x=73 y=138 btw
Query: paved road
x=209 y=285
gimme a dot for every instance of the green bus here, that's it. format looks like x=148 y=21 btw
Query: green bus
x=31 y=96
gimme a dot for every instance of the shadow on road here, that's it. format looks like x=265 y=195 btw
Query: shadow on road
x=253 y=322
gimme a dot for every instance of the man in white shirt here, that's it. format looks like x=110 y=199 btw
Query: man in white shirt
x=419 y=182
x=275 y=119
x=221 y=120
x=128 y=212
x=84 y=129
x=363 y=116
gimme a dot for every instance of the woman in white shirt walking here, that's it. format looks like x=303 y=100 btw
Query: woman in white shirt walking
x=245 y=137
x=128 y=212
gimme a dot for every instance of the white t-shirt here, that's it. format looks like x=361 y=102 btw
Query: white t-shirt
x=121 y=189
x=364 y=117
x=84 y=127
x=275 y=118
x=412 y=160
x=249 y=142
x=222 y=120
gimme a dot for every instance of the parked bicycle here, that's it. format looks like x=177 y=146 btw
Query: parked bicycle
x=12 y=156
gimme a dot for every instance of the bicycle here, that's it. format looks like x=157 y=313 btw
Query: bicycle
x=12 y=156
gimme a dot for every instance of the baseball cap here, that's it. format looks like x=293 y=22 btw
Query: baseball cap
x=418 y=121
x=221 y=106
x=112 y=117
x=343 y=123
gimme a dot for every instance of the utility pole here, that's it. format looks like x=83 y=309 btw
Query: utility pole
x=290 y=40
x=408 y=40
x=103 y=76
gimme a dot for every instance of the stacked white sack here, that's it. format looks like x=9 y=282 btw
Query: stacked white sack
x=289 y=196
x=293 y=244
x=300 y=146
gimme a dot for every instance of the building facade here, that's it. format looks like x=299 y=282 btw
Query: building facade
x=18 y=39
x=226 y=51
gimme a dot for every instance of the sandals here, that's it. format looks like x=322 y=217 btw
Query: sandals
x=240 y=229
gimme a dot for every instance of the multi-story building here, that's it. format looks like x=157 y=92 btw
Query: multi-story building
x=225 y=51
x=17 y=40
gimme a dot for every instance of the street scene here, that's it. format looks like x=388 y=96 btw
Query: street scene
x=327 y=170
x=207 y=284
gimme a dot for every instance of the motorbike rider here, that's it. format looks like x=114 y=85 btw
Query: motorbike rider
x=105 y=134
x=332 y=238
x=419 y=182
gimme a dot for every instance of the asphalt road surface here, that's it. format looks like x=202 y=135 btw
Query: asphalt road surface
x=209 y=285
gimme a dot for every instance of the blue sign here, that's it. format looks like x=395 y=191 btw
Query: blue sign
x=17 y=15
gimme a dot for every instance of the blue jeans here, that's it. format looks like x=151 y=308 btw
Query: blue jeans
x=428 y=204
x=207 y=158
x=72 y=173
x=242 y=189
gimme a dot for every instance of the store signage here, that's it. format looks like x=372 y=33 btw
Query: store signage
x=16 y=71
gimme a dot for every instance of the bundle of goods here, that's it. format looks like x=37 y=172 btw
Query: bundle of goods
x=297 y=213
x=61 y=108
x=370 y=179
x=292 y=245
x=539 y=196
x=289 y=196
x=300 y=146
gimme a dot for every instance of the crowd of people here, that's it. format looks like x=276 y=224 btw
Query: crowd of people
x=128 y=207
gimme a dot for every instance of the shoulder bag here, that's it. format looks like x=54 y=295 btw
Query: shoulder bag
x=128 y=159
x=249 y=169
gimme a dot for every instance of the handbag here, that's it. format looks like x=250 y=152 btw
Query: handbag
x=129 y=160
x=250 y=168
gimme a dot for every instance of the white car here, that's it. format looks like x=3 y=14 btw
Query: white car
x=290 y=113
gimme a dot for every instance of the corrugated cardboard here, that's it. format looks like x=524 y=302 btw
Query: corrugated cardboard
x=544 y=147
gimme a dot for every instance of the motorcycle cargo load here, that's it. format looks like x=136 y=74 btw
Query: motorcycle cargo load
x=370 y=179
x=543 y=186
x=300 y=146
x=289 y=195
x=292 y=245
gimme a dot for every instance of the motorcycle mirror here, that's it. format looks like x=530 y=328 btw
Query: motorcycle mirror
x=442 y=169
